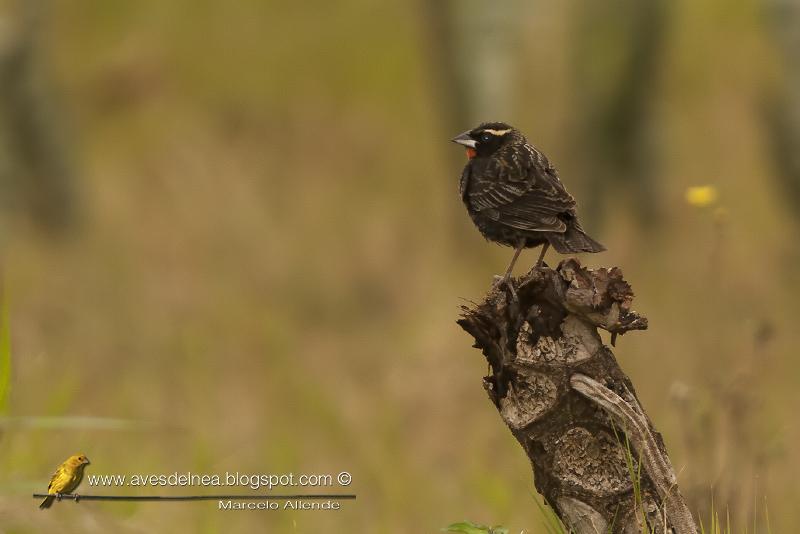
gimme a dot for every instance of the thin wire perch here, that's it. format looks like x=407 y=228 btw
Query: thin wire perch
x=77 y=497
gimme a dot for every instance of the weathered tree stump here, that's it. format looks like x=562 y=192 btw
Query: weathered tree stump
x=568 y=403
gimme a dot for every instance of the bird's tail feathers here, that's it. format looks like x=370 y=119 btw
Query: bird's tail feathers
x=574 y=240
x=47 y=502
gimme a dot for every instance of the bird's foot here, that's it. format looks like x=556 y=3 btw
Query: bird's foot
x=77 y=498
x=500 y=281
x=541 y=264
x=58 y=496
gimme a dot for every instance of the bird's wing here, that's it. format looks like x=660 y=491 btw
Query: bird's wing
x=523 y=192
x=57 y=480
x=74 y=481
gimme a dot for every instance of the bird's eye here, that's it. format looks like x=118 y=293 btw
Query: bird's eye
x=486 y=138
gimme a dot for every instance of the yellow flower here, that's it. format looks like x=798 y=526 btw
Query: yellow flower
x=701 y=196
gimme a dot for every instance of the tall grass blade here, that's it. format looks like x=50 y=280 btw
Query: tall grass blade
x=551 y=521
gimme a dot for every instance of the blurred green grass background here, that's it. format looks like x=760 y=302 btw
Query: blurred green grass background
x=270 y=255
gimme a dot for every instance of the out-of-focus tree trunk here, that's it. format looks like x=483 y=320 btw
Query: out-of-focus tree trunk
x=441 y=45
x=782 y=105
x=617 y=52
x=474 y=55
x=36 y=176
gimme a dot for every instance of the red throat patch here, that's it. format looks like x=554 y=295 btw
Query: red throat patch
x=471 y=153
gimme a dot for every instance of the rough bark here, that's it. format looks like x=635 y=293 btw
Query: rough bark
x=568 y=403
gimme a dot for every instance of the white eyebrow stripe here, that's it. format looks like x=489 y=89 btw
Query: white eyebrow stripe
x=497 y=132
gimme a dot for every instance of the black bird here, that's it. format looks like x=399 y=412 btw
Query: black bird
x=514 y=196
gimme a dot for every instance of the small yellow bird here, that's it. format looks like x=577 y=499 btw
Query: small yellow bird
x=67 y=477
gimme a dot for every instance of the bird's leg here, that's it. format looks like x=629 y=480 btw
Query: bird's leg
x=58 y=496
x=513 y=260
x=77 y=498
x=541 y=255
x=506 y=278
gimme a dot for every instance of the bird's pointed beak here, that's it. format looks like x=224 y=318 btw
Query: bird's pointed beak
x=464 y=139
x=86 y=461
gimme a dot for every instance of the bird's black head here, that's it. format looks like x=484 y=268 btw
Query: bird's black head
x=487 y=138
